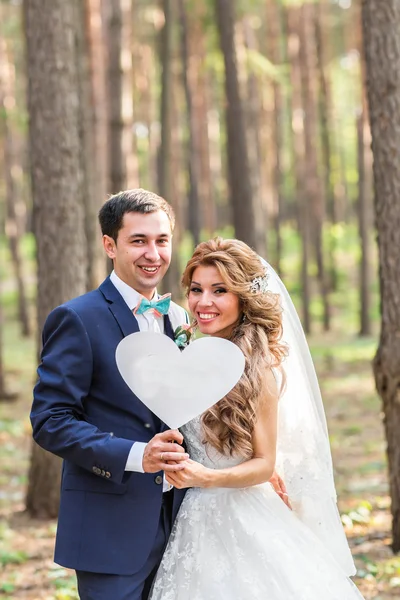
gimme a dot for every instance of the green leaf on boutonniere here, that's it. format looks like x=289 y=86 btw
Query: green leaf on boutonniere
x=182 y=335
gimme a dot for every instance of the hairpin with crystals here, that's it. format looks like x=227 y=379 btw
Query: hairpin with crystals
x=259 y=284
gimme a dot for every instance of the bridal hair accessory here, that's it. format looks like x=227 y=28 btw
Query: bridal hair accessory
x=260 y=284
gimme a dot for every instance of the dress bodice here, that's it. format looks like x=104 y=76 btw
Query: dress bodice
x=202 y=452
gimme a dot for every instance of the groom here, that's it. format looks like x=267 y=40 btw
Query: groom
x=116 y=508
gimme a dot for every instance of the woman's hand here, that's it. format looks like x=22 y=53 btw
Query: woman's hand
x=279 y=486
x=193 y=474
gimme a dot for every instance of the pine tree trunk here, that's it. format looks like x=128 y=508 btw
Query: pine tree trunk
x=95 y=136
x=238 y=163
x=194 y=215
x=314 y=192
x=116 y=159
x=171 y=280
x=253 y=126
x=364 y=233
x=201 y=101
x=303 y=206
x=7 y=90
x=381 y=24
x=57 y=178
x=278 y=55
x=88 y=154
x=326 y=127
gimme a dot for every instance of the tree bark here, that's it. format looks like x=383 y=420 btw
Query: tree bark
x=314 y=192
x=201 y=107
x=324 y=102
x=94 y=134
x=171 y=280
x=238 y=162
x=303 y=207
x=381 y=23
x=116 y=159
x=57 y=176
x=7 y=96
x=364 y=228
x=254 y=119
x=164 y=162
x=278 y=55
x=194 y=215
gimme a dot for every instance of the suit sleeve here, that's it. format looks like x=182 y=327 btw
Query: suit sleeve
x=58 y=416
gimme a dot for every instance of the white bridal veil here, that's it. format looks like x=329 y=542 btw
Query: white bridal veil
x=303 y=451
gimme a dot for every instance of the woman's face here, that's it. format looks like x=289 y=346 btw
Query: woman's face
x=216 y=309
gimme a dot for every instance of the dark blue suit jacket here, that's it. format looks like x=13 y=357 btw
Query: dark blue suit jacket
x=84 y=412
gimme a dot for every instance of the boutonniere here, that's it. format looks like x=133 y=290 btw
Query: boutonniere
x=182 y=335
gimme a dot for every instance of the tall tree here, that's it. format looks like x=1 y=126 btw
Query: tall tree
x=238 y=162
x=114 y=36
x=7 y=101
x=324 y=102
x=194 y=215
x=364 y=229
x=312 y=181
x=5 y=394
x=292 y=18
x=381 y=24
x=254 y=118
x=52 y=30
x=278 y=54
x=165 y=184
x=94 y=133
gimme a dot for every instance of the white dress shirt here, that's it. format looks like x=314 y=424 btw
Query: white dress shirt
x=147 y=322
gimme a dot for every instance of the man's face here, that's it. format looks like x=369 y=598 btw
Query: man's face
x=142 y=253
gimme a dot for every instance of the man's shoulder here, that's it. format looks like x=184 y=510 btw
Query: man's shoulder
x=84 y=305
x=88 y=300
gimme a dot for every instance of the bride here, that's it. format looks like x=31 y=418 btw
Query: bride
x=234 y=538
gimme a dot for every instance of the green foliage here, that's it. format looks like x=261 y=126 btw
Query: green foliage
x=64 y=584
x=13 y=557
x=261 y=66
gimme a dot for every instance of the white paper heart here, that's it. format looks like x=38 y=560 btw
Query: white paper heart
x=178 y=385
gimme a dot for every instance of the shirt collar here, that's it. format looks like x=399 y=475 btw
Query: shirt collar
x=131 y=296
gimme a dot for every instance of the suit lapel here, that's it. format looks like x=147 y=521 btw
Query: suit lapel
x=168 y=330
x=119 y=308
x=127 y=324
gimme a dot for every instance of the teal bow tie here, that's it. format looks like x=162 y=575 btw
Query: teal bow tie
x=160 y=306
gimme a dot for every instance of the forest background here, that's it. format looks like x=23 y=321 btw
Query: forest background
x=251 y=118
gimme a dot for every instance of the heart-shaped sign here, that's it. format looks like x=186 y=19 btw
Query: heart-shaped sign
x=178 y=385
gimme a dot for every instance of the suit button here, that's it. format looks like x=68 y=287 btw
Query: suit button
x=96 y=470
x=111 y=434
x=158 y=479
x=103 y=473
x=108 y=474
x=147 y=425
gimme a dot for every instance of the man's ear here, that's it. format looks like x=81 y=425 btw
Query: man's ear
x=109 y=246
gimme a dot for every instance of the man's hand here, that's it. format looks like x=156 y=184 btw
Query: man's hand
x=161 y=449
x=279 y=486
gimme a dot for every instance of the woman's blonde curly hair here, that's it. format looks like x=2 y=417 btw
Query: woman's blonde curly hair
x=228 y=426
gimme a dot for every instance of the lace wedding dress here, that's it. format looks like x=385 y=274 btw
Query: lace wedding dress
x=243 y=544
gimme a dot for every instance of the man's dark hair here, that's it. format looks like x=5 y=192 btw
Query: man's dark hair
x=112 y=212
